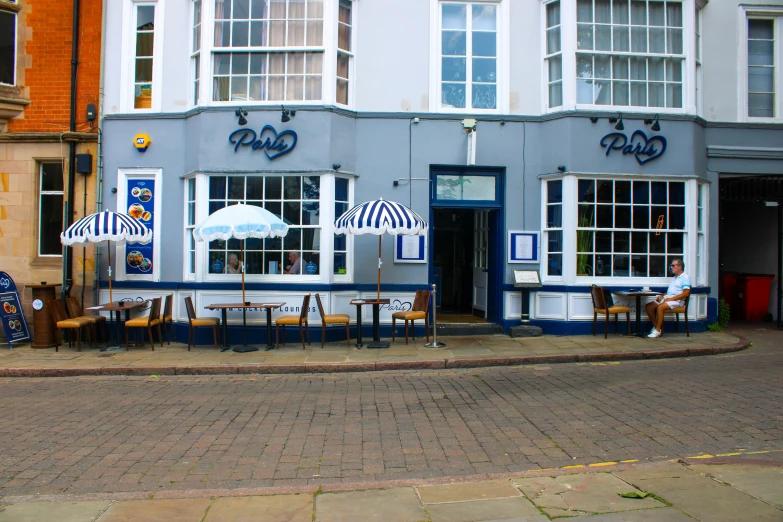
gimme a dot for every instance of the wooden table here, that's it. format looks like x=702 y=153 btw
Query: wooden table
x=376 y=330
x=117 y=306
x=638 y=296
x=224 y=308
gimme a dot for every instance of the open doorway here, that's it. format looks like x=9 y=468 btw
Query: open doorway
x=749 y=247
x=453 y=261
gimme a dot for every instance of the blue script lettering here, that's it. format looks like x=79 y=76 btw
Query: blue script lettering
x=397 y=306
x=273 y=144
x=643 y=148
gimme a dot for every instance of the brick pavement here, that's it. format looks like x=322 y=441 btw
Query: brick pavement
x=126 y=434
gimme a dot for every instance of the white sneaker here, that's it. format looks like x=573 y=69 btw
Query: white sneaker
x=655 y=333
x=653 y=330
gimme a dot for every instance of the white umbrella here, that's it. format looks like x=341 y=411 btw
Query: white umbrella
x=380 y=217
x=107 y=226
x=240 y=222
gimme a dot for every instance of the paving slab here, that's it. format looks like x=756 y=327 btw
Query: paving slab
x=387 y=505
x=582 y=494
x=175 y=510
x=722 y=504
x=59 y=511
x=507 y=509
x=759 y=482
x=666 y=478
x=467 y=491
x=273 y=508
x=665 y=514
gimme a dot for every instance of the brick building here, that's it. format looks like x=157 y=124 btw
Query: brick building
x=41 y=134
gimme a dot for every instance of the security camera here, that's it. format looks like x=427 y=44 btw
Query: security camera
x=336 y=166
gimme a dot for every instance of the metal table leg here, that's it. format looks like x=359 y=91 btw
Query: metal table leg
x=639 y=316
x=269 y=345
x=359 y=326
x=224 y=326
x=376 y=329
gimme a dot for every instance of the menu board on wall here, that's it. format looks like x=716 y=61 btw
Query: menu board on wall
x=141 y=206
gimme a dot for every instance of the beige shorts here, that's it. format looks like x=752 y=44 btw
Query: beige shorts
x=675 y=304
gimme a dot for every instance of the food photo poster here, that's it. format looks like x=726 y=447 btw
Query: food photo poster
x=141 y=198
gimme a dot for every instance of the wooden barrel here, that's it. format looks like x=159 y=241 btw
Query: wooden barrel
x=45 y=331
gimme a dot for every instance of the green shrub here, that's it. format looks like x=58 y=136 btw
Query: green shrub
x=724 y=314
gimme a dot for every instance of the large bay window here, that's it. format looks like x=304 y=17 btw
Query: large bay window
x=622 y=228
x=627 y=54
x=307 y=203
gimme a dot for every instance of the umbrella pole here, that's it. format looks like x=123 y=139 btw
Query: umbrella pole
x=108 y=248
x=379 y=266
x=242 y=260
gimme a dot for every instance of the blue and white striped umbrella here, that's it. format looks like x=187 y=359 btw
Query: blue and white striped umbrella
x=106 y=226
x=380 y=217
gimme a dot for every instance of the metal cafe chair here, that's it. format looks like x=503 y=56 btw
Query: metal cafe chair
x=604 y=305
x=292 y=320
x=419 y=310
x=147 y=322
x=333 y=319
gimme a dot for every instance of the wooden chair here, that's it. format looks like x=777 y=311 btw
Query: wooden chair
x=194 y=322
x=75 y=312
x=168 y=318
x=420 y=310
x=290 y=320
x=146 y=322
x=330 y=319
x=64 y=323
x=677 y=311
x=602 y=304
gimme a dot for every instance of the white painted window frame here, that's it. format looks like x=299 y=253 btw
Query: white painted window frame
x=329 y=49
x=41 y=192
x=326 y=217
x=193 y=54
x=12 y=10
x=503 y=59
x=545 y=62
x=568 y=50
x=123 y=175
x=186 y=274
x=570 y=217
x=764 y=12
x=128 y=69
x=351 y=54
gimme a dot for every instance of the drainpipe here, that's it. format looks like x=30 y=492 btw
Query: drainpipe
x=99 y=154
x=68 y=258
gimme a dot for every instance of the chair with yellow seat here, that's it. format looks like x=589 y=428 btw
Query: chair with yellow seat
x=147 y=322
x=168 y=318
x=293 y=320
x=194 y=322
x=64 y=323
x=333 y=319
x=602 y=304
x=677 y=311
x=75 y=312
x=419 y=310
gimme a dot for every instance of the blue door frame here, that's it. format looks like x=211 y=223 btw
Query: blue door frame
x=495 y=244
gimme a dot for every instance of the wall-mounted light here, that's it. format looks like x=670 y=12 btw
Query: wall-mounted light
x=287 y=115
x=561 y=168
x=241 y=113
x=336 y=166
x=594 y=119
x=655 y=125
x=618 y=120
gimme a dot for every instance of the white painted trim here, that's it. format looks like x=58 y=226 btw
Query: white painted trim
x=762 y=11
x=128 y=58
x=573 y=299
x=550 y=295
x=512 y=306
x=123 y=175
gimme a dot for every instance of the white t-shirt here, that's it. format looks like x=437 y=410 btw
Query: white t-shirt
x=678 y=284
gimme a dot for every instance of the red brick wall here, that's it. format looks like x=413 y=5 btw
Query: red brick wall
x=49 y=24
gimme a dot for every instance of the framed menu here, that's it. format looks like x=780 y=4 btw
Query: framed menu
x=410 y=249
x=523 y=247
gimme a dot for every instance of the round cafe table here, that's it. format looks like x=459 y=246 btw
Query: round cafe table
x=638 y=295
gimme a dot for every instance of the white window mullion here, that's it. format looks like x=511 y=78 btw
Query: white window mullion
x=202 y=213
x=570 y=218
x=568 y=46
x=327 y=218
